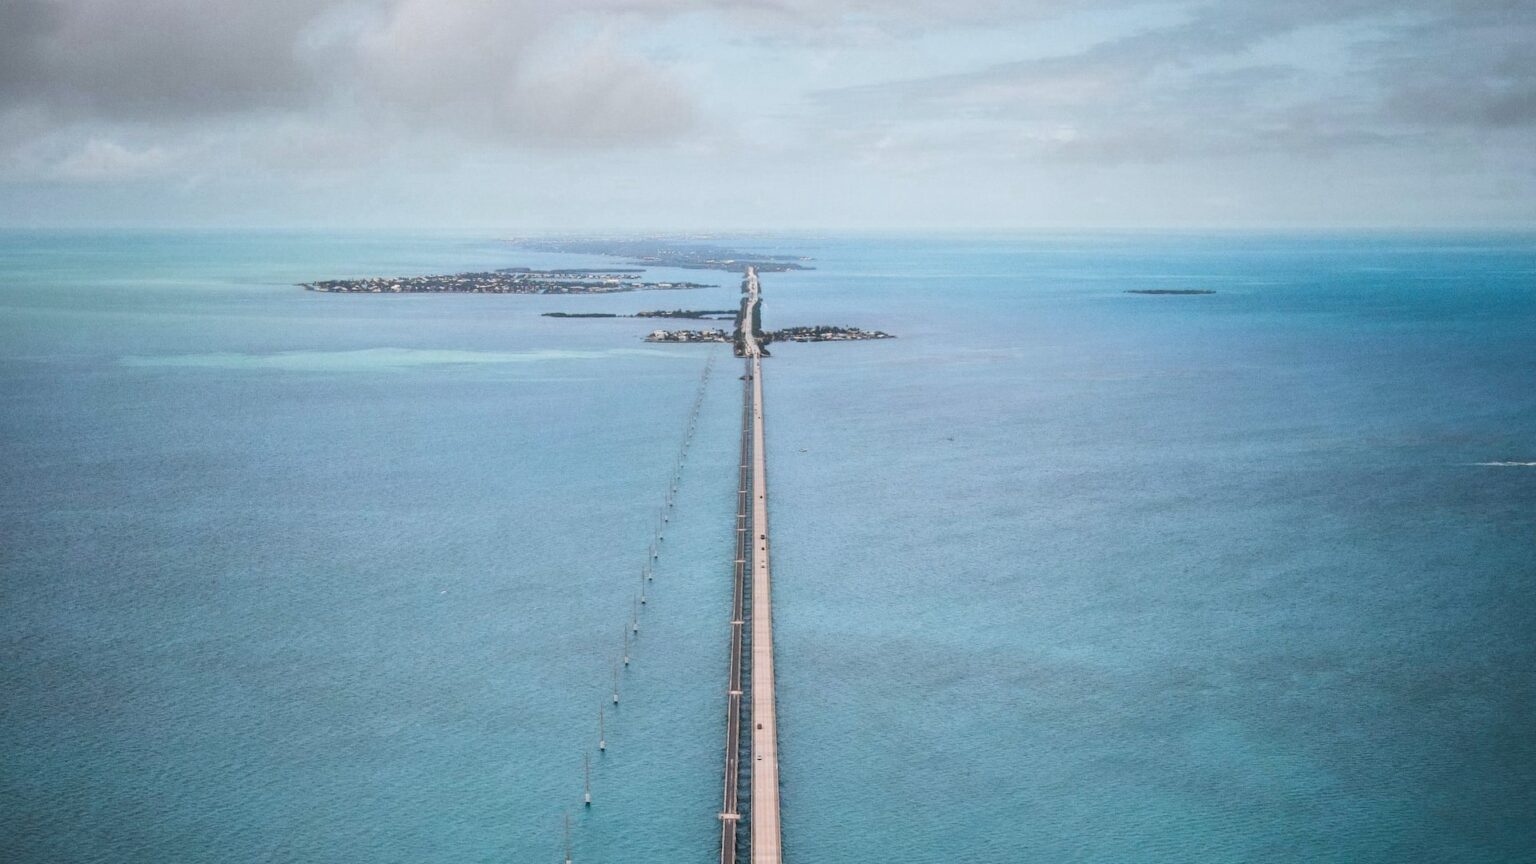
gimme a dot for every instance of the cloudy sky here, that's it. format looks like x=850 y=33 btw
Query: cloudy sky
x=780 y=114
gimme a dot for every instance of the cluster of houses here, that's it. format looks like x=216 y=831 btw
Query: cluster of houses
x=788 y=334
x=688 y=336
x=826 y=334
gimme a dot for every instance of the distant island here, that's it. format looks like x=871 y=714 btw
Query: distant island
x=574 y=271
x=668 y=253
x=1169 y=291
x=512 y=280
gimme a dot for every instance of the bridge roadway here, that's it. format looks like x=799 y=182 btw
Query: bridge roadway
x=752 y=530
x=765 y=728
x=764 y=827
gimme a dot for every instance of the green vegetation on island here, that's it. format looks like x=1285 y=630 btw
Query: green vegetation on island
x=709 y=314
x=825 y=334
x=688 y=336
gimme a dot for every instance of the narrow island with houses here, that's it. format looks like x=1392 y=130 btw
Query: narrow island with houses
x=786 y=334
x=683 y=254
x=824 y=333
x=511 y=280
x=689 y=336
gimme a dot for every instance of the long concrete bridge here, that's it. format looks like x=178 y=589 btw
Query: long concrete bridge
x=762 y=818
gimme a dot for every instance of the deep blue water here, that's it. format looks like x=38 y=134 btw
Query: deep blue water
x=1063 y=574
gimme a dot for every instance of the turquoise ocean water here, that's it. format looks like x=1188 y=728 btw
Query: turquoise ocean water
x=1063 y=574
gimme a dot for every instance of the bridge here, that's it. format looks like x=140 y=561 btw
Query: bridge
x=762 y=817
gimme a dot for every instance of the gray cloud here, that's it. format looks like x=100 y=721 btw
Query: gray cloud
x=480 y=69
x=24 y=26
x=168 y=60
x=506 y=71
x=1476 y=70
x=381 y=105
x=1193 y=90
x=155 y=59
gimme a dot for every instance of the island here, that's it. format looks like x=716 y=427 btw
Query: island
x=1169 y=291
x=512 y=280
x=657 y=252
x=687 y=314
x=787 y=334
x=824 y=334
x=701 y=314
x=688 y=336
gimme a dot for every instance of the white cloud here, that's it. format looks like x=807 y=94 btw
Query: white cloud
x=100 y=160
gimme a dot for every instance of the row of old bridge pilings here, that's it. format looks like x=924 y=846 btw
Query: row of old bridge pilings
x=733 y=840
x=639 y=601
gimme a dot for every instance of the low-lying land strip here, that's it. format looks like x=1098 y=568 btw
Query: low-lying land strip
x=825 y=334
x=509 y=281
x=788 y=334
x=705 y=314
x=691 y=314
x=668 y=253
x=688 y=336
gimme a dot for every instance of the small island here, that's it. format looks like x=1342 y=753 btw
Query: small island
x=688 y=336
x=1169 y=291
x=699 y=314
x=512 y=280
x=825 y=334
x=787 y=334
